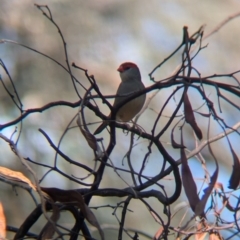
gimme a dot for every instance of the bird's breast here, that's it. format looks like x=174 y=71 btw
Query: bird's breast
x=129 y=110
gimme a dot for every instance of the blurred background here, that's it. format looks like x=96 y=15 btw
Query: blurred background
x=100 y=35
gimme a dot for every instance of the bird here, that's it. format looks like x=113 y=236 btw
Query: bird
x=130 y=84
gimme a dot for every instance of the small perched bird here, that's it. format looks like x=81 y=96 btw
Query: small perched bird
x=131 y=83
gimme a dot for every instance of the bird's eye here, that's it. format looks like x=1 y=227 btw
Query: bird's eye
x=126 y=68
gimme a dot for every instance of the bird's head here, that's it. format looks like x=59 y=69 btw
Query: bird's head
x=129 y=71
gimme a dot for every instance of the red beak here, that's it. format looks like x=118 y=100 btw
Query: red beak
x=120 y=69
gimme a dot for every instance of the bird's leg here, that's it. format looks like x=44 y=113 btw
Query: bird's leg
x=139 y=128
x=128 y=128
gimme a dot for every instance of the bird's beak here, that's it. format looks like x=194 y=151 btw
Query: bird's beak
x=120 y=69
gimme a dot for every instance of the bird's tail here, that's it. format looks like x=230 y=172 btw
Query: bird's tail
x=101 y=127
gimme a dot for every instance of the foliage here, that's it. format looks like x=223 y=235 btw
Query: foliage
x=140 y=186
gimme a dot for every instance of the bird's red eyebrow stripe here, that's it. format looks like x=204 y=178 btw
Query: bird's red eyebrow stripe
x=125 y=65
x=129 y=64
